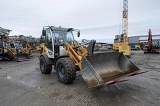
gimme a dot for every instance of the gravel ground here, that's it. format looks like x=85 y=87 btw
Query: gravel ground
x=22 y=84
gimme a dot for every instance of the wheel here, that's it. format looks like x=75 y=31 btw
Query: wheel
x=30 y=53
x=7 y=57
x=66 y=70
x=44 y=67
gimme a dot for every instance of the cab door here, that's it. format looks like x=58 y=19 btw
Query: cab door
x=49 y=43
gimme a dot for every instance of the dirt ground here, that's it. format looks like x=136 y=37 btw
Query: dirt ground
x=22 y=84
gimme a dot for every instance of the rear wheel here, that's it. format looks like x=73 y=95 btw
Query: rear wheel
x=44 y=67
x=7 y=57
x=66 y=70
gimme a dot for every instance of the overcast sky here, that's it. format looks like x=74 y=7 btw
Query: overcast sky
x=97 y=19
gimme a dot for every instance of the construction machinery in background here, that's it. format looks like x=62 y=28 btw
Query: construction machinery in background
x=6 y=52
x=152 y=46
x=32 y=42
x=41 y=43
x=99 y=46
x=18 y=47
x=121 y=41
x=38 y=48
x=22 y=47
x=135 y=46
x=67 y=56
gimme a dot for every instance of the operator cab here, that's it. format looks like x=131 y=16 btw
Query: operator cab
x=55 y=37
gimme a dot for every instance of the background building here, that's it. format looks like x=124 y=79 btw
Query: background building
x=142 y=39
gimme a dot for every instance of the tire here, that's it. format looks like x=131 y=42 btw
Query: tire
x=66 y=70
x=44 y=67
x=30 y=53
x=8 y=57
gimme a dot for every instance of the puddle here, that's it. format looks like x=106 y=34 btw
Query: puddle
x=68 y=97
x=8 y=77
x=55 y=94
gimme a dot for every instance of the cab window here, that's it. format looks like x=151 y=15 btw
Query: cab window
x=48 y=40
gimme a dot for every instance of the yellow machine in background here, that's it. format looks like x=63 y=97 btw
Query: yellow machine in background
x=121 y=41
x=116 y=46
x=120 y=44
x=6 y=52
x=137 y=47
x=38 y=48
x=126 y=50
x=22 y=47
x=124 y=47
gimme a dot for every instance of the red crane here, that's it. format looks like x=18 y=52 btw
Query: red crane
x=152 y=47
x=150 y=40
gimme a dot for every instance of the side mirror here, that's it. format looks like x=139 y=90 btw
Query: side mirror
x=44 y=32
x=78 y=34
x=70 y=29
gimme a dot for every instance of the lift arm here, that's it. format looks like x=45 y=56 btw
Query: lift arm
x=76 y=53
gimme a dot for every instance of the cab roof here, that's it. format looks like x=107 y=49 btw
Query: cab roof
x=57 y=28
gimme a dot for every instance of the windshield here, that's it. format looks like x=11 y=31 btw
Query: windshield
x=64 y=37
x=68 y=37
x=18 y=44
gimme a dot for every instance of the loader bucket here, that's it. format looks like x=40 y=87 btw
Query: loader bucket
x=22 y=57
x=101 y=68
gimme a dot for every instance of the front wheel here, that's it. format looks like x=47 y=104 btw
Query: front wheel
x=44 y=67
x=66 y=70
x=7 y=57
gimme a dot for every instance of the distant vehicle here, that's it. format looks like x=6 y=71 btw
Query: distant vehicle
x=134 y=46
x=152 y=46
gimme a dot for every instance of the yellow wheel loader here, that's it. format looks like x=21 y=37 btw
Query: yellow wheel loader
x=6 y=52
x=22 y=48
x=21 y=53
x=67 y=57
x=38 y=48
